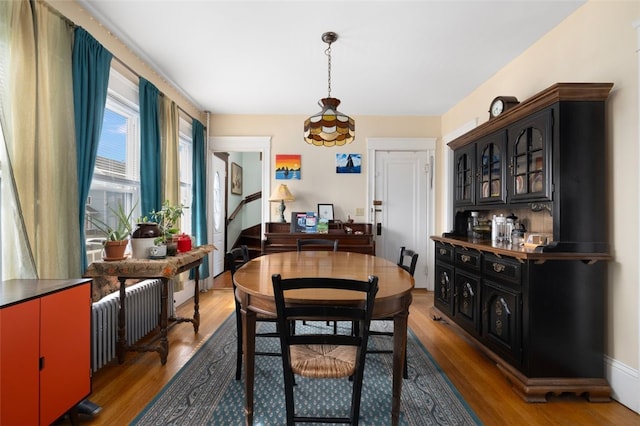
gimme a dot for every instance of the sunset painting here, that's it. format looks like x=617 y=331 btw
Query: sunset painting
x=288 y=166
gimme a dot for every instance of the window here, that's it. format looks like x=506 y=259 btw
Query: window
x=116 y=176
x=186 y=166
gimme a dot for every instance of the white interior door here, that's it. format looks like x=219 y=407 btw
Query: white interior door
x=400 y=192
x=218 y=179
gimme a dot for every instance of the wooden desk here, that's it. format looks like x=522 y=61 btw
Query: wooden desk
x=278 y=237
x=163 y=269
x=255 y=292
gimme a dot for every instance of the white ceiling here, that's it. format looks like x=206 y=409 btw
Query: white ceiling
x=416 y=57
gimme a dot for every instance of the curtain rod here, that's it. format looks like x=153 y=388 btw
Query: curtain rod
x=120 y=61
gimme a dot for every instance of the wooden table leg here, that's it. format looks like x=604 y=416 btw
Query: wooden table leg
x=163 y=349
x=196 y=301
x=399 y=354
x=249 y=351
x=121 y=344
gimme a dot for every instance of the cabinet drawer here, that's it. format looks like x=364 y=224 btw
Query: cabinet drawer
x=468 y=258
x=444 y=253
x=502 y=268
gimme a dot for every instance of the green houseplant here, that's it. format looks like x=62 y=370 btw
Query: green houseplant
x=116 y=236
x=167 y=219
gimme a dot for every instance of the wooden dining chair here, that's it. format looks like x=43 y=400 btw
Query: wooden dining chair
x=237 y=257
x=408 y=260
x=326 y=355
x=317 y=242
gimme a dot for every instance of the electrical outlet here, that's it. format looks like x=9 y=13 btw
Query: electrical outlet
x=360 y=211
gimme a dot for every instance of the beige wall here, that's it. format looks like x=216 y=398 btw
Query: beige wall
x=597 y=43
x=320 y=183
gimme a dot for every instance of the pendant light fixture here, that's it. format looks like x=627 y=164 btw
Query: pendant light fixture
x=329 y=127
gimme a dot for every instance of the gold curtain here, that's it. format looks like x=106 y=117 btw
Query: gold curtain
x=38 y=128
x=169 y=131
x=170 y=140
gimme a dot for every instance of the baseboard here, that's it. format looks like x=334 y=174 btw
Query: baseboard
x=625 y=383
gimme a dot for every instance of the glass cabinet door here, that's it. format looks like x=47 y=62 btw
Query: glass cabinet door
x=491 y=167
x=530 y=171
x=464 y=160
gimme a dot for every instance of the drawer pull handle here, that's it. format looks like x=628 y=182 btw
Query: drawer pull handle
x=443 y=251
x=465 y=258
x=498 y=267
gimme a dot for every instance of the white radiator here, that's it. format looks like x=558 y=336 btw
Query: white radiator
x=142 y=311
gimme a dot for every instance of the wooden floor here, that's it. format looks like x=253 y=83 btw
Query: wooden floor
x=124 y=390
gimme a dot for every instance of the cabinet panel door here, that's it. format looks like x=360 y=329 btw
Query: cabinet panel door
x=443 y=288
x=501 y=321
x=464 y=178
x=19 y=354
x=529 y=149
x=492 y=159
x=65 y=347
x=467 y=301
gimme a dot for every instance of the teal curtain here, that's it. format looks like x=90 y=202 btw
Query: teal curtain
x=91 y=64
x=199 y=194
x=150 y=157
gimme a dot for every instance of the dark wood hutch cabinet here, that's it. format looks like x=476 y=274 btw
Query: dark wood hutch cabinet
x=537 y=312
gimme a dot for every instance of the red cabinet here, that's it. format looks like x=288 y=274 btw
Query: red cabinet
x=44 y=349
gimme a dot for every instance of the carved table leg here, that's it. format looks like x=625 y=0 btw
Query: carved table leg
x=163 y=349
x=196 y=301
x=121 y=344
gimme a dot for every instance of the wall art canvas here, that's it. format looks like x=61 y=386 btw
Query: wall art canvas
x=288 y=166
x=348 y=163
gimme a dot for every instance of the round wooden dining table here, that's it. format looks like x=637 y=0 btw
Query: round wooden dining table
x=254 y=290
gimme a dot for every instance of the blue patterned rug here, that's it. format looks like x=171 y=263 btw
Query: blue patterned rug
x=205 y=392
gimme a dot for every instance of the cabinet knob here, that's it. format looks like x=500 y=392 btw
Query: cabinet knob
x=465 y=258
x=443 y=251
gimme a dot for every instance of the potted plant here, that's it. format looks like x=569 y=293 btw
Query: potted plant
x=167 y=219
x=116 y=236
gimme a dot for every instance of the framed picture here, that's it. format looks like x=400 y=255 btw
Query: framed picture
x=348 y=163
x=325 y=211
x=288 y=166
x=236 y=179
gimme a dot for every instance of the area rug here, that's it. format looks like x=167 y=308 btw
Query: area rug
x=205 y=392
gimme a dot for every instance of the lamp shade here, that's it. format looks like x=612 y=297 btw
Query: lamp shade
x=281 y=193
x=329 y=127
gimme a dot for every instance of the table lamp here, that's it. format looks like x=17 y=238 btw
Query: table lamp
x=281 y=193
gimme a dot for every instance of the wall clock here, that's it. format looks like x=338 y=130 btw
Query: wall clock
x=500 y=104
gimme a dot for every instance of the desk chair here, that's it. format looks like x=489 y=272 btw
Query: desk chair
x=407 y=261
x=319 y=242
x=236 y=258
x=323 y=355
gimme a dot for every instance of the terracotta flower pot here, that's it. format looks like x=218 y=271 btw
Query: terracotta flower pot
x=114 y=250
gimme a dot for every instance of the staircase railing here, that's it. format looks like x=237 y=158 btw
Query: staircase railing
x=249 y=198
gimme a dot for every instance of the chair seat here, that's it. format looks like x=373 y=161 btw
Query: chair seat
x=323 y=361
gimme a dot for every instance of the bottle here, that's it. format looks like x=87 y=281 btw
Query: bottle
x=472 y=223
x=494 y=229
x=497 y=229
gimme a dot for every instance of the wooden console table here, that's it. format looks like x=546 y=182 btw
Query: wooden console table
x=278 y=238
x=163 y=269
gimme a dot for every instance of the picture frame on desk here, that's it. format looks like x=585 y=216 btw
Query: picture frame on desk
x=325 y=211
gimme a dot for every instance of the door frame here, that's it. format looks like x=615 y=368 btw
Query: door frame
x=404 y=144
x=261 y=144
